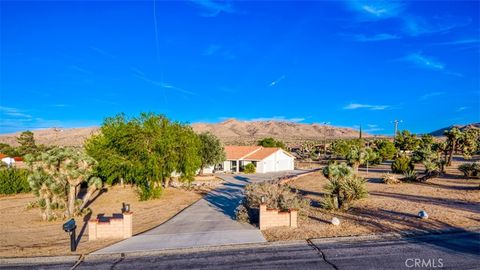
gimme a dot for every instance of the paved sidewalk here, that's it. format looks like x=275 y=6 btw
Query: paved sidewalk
x=208 y=222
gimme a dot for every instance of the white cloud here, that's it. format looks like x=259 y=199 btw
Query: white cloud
x=214 y=49
x=164 y=85
x=416 y=25
x=365 y=38
x=275 y=82
x=354 y=106
x=423 y=61
x=461 y=109
x=431 y=95
x=213 y=8
x=13 y=112
x=377 y=9
x=465 y=41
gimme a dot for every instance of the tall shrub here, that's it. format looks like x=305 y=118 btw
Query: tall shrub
x=13 y=180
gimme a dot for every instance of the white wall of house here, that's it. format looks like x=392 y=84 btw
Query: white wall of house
x=278 y=161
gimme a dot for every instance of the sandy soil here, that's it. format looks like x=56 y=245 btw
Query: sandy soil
x=23 y=233
x=450 y=201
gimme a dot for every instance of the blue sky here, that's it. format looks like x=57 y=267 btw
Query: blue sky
x=347 y=63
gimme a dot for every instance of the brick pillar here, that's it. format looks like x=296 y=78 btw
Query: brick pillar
x=92 y=230
x=261 y=216
x=127 y=224
x=293 y=218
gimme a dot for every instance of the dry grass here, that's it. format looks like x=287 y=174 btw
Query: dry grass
x=23 y=233
x=450 y=201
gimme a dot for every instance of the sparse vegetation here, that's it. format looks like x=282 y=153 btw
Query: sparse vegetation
x=390 y=179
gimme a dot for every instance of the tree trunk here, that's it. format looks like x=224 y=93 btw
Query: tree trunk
x=201 y=170
x=48 y=211
x=89 y=194
x=71 y=200
x=449 y=161
x=122 y=184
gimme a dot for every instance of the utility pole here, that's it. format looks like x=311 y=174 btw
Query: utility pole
x=396 y=122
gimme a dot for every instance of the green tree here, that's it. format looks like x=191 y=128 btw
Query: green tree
x=27 y=143
x=211 y=150
x=406 y=141
x=56 y=175
x=145 y=150
x=271 y=142
x=386 y=149
x=8 y=150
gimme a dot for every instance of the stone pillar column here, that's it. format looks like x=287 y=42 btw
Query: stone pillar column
x=261 y=216
x=127 y=224
x=92 y=230
x=293 y=218
x=238 y=166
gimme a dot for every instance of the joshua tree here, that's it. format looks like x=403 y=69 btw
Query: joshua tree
x=57 y=173
x=453 y=138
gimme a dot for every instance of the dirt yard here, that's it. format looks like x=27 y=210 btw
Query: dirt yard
x=450 y=201
x=23 y=233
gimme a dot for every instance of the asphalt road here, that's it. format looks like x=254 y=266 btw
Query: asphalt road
x=444 y=251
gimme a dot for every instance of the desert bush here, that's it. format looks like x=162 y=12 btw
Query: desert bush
x=13 y=180
x=343 y=186
x=390 y=179
x=276 y=197
x=470 y=170
x=241 y=214
x=402 y=164
x=250 y=168
x=409 y=176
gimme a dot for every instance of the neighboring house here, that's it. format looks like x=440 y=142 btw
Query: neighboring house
x=9 y=161
x=265 y=159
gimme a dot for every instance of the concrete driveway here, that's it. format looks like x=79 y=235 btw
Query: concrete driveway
x=208 y=222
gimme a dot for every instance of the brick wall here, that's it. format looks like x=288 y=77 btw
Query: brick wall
x=119 y=226
x=274 y=218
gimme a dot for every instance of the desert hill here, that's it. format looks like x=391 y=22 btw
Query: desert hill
x=440 y=132
x=235 y=131
x=231 y=131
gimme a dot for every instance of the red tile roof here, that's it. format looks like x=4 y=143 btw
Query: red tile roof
x=234 y=152
x=238 y=152
x=263 y=153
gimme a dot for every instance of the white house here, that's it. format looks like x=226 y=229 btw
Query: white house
x=265 y=159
